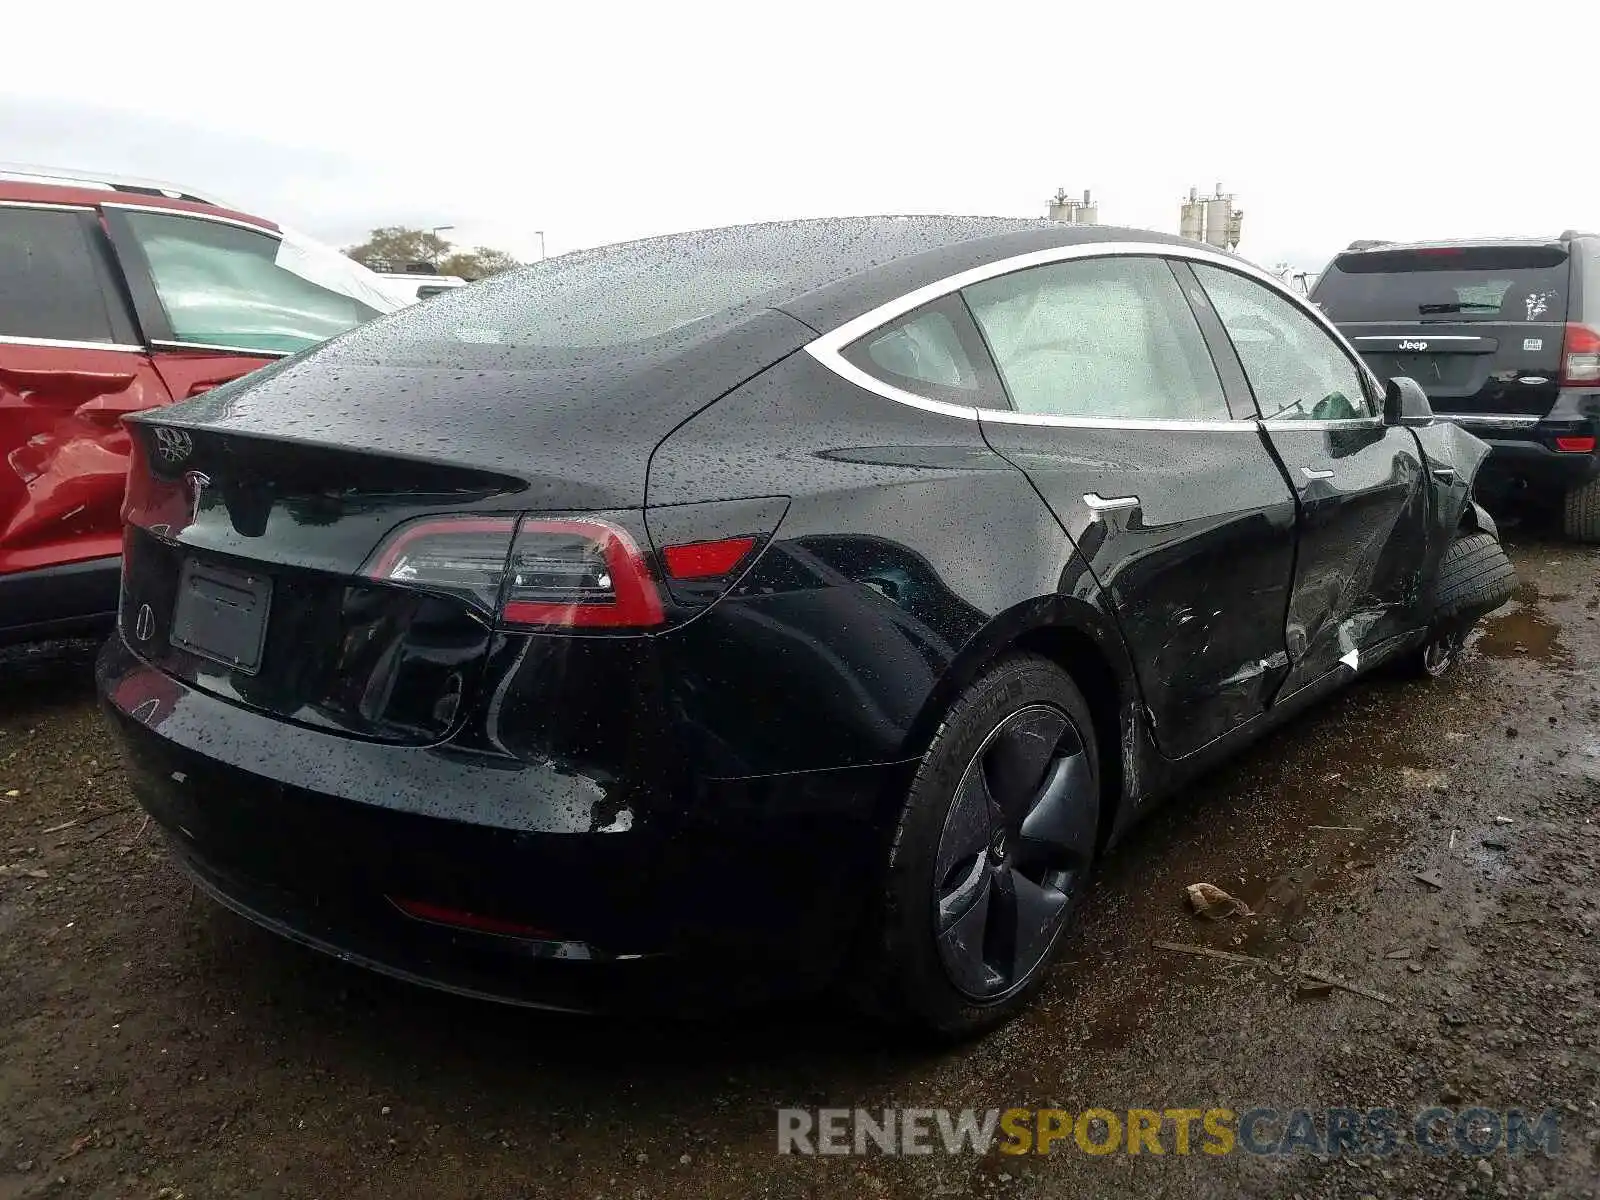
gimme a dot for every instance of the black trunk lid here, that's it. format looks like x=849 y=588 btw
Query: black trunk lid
x=254 y=508
x=241 y=575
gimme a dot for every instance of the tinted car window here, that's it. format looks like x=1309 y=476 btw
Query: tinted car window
x=1296 y=369
x=925 y=348
x=1104 y=337
x=933 y=351
x=1483 y=283
x=48 y=287
x=220 y=286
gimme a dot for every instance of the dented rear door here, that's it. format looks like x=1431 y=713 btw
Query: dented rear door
x=71 y=367
x=1360 y=485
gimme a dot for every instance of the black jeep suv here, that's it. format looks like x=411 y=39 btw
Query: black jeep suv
x=1504 y=335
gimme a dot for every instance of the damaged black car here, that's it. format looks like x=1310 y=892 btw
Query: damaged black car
x=671 y=623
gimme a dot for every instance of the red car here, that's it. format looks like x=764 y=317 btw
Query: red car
x=117 y=297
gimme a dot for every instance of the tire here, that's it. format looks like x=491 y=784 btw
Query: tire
x=1580 y=517
x=1475 y=578
x=937 y=958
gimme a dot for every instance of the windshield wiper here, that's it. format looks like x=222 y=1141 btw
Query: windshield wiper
x=1468 y=306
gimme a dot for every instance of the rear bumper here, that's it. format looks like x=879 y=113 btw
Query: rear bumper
x=1524 y=453
x=721 y=894
x=74 y=599
x=1536 y=465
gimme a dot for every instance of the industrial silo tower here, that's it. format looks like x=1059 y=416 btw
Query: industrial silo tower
x=1212 y=219
x=1192 y=218
x=1069 y=211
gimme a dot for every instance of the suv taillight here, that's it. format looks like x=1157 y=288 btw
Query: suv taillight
x=550 y=572
x=1580 y=356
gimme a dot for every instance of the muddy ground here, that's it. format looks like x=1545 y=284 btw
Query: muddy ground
x=152 y=1045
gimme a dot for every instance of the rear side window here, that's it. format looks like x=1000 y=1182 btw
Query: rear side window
x=1446 y=283
x=48 y=285
x=1106 y=337
x=221 y=286
x=933 y=351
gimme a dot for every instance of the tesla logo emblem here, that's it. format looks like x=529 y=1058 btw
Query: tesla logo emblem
x=174 y=445
x=144 y=624
x=198 y=482
x=1413 y=345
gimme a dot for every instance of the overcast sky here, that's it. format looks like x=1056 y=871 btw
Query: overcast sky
x=603 y=121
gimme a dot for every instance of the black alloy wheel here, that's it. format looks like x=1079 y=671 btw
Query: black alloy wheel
x=989 y=857
x=1021 y=825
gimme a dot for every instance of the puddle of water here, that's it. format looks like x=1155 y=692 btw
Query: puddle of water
x=1523 y=633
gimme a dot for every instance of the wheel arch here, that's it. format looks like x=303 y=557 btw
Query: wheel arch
x=1080 y=638
x=1475 y=519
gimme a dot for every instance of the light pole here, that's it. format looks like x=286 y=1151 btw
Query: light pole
x=540 y=234
x=436 y=231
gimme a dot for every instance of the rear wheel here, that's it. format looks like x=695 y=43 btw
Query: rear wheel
x=990 y=856
x=1475 y=577
x=1580 y=518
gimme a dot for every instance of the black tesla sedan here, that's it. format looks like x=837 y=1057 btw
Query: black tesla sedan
x=668 y=622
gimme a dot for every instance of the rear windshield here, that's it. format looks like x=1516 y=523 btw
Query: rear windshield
x=638 y=298
x=1485 y=283
x=609 y=297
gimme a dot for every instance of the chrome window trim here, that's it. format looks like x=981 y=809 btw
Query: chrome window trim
x=47 y=205
x=841 y=366
x=7 y=339
x=174 y=344
x=1418 y=337
x=214 y=218
x=827 y=347
x=1492 y=420
x=1287 y=423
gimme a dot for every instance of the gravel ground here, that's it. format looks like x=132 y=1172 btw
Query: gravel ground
x=152 y=1045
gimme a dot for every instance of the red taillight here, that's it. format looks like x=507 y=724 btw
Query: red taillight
x=583 y=572
x=464 y=556
x=706 y=560
x=567 y=572
x=458 y=918
x=561 y=572
x=1580 y=356
x=1575 y=445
